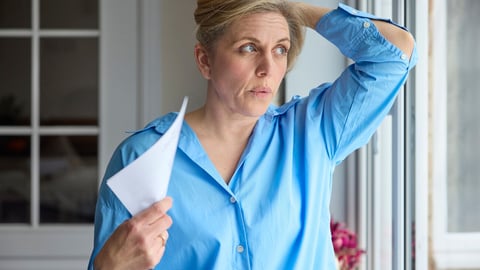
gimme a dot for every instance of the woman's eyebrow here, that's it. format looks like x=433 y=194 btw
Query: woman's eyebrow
x=255 y=40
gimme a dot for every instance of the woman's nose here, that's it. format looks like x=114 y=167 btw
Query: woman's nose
x=264 y=66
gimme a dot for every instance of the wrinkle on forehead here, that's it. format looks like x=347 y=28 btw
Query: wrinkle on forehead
x=258 y=24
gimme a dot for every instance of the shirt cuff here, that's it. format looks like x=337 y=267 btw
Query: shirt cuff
x=352 y=32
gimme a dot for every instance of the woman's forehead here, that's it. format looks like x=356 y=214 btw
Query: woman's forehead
x=271 y=23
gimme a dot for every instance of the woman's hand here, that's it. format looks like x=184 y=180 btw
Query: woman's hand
x=397 y=36
x=138 y=243
x=310 y=13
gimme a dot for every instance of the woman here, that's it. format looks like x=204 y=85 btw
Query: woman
x=251 y=181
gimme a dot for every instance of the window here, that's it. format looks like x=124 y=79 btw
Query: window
x=463 y=127
x=456 y=220
x=381 y=199
x=49 y=112
x=65 y=103
x=386 y=217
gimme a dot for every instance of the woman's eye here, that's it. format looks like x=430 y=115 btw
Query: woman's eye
x=281 y=50
x=248 y=48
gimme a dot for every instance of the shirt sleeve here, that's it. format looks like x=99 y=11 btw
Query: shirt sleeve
x=109 y=211
x=353 y=106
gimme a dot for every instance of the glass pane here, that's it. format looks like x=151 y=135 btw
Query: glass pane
x=463 y=124
x=15 y=81
x=69 y=81
x=71 y=14
x=15 y=13
x=68 y=179
x=14 y=179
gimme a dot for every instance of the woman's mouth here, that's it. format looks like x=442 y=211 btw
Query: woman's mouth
x=261 y=92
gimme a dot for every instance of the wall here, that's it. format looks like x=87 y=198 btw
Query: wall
x=168 y=69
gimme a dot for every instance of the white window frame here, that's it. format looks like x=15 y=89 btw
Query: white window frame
x=396 y=160
x=450 y=250
x=383 y=218
x=68 y=246
x=420 y=82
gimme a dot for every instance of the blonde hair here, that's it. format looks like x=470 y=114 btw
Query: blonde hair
x=213 y=17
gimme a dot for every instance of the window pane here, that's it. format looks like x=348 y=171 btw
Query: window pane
x=71 y=14
x=14 y=179
x=15 y=81
x=68 y=178
x=69 y=81
x=463 y=124
x=15 y=13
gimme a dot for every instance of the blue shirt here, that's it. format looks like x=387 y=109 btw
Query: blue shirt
x=274 y=213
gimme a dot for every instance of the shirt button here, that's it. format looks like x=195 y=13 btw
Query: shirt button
x=366 y=24
x=404 y=56
x=240 y=249
x=232 y=200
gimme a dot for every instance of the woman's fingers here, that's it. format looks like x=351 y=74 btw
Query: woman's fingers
x=150 y=226
x=139 y=243
x=164 y=236
x=154 y=212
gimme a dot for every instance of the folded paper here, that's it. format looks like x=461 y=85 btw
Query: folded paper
x=145 y=180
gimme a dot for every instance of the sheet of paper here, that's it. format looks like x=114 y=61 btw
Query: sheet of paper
x=145 y=180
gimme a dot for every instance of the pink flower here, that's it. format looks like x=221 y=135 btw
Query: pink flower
x=345 y=246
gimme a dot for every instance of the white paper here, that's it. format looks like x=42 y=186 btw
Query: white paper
x=145 y=180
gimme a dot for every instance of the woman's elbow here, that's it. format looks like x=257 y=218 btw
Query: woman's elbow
x=406 y=43
x=397 y=36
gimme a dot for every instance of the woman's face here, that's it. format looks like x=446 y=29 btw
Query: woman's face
x=248 y=63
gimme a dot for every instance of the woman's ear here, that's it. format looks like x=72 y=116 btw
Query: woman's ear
x=203 y=60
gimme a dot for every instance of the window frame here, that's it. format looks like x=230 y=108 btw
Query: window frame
x=383 y=177
x=399 y=150
x=418 y=115
x=61 y=246
x=450 y=250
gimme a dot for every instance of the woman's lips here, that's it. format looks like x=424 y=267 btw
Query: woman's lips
x=261 y=91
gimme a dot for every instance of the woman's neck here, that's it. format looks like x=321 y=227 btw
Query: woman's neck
x=223 y=138
x=220 y=125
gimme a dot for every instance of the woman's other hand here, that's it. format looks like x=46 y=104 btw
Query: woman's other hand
x=138 y=243
x=397 y=36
